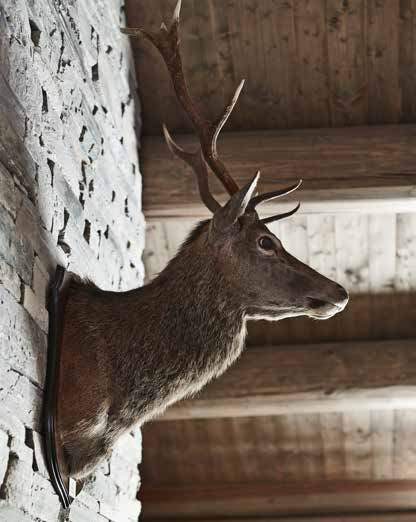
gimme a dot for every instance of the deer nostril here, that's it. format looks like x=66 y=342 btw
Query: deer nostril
x=316 y=303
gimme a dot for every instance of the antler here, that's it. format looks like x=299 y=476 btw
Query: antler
x=197 y=162
x=278 y=217
x=167 y=42
x=267 y=196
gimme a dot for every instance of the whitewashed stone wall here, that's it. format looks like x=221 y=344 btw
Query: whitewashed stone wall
x=69 y=194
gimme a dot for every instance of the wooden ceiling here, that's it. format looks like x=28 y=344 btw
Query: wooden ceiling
x=307 y=64
x=374 y=256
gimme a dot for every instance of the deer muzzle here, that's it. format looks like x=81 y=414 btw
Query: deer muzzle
x=323 y=308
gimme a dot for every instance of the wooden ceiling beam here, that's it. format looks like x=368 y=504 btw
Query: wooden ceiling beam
x=379 y=517
x=350 y=169
x=285 y=498
x=312 y=378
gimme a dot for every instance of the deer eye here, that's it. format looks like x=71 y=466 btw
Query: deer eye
x=265 y=243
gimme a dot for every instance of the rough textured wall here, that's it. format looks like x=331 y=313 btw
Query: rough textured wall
x=69 y=194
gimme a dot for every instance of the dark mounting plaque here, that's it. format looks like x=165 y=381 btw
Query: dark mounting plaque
x=53 y=450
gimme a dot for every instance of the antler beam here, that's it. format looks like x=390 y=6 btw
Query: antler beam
x=167 y=42
x=197 y=162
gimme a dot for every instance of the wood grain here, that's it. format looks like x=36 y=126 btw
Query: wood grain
x=379 y=517
x=407 y=59
x=384 y=94
x=307 y=64
x=279 y=380
x=350 y=445
x=335 y=164
x=347 y=61
x=303 y=497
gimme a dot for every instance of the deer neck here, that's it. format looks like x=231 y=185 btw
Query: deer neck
x=200 y=310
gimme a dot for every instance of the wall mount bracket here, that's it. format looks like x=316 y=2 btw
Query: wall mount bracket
x=64 y=485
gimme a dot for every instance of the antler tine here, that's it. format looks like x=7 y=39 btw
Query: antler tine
x=278 y=217
x=274 y=194
x=177 y=12
x=229 y=109
x=197 y=162
x=167 y=42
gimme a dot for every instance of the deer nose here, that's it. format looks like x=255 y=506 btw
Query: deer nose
x=342 y=298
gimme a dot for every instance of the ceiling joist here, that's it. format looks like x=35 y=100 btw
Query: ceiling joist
x=295 y=379
x=351 y=169
x=284 y=498
x=381 y=517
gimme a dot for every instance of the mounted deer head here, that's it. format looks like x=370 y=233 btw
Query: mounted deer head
x=127 y=356
x=275 y=284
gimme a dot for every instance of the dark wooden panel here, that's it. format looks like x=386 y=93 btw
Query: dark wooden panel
x=307 y=64
x=347 y=61
x=384 y=95
x=408 y=59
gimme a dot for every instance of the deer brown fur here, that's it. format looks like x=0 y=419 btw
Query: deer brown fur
x=135 y=353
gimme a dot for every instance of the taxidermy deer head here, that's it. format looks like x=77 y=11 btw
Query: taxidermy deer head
x=133 y=354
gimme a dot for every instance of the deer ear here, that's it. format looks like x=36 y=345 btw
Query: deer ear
x=227 y=215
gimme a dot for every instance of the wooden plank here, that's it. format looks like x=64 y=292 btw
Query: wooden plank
x=333 y=444
x=404 y=444
x=382 y=252
x=347 y=61
x=156 y=254
x=248 y=60
x=384 y=94
x=221 y=19
x=280 y=448
x=357 y=443
x=163 y=240
x=406 y=253
x=321 y=242
x=344 y=169
x=293 y=234
x=351 y=243
x=407 y=62
x=309 y=22
x=234 y=450
x=382 y=432
x=328 y=377
x=280 y=92
x=306 y=63
x=380 y=517
x=310 y=445
x=285 y=498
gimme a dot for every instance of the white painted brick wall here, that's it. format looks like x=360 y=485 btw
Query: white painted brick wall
x=70 y=192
